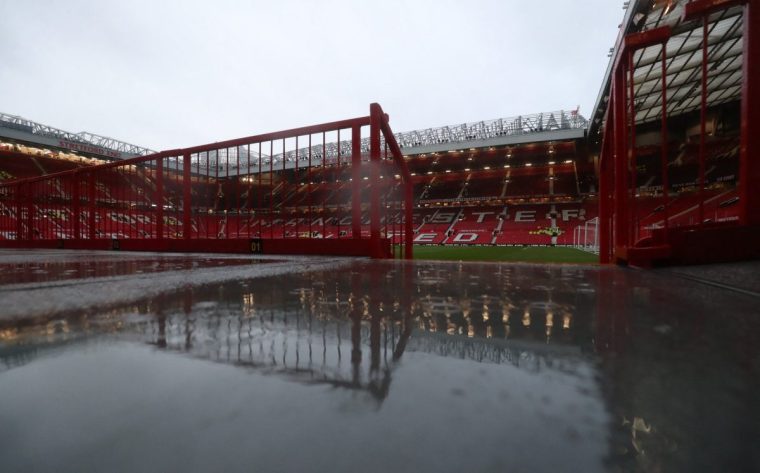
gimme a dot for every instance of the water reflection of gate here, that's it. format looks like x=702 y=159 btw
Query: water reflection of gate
x=304 y=349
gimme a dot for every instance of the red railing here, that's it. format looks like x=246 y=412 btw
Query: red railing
x=279 y=193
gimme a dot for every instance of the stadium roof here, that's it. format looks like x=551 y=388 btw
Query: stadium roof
x=684 y=60
x=538 y=127
x=21 y=129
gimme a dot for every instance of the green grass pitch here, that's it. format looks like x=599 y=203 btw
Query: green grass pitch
x=528 y=254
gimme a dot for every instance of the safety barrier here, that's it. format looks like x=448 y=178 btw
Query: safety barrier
x=277 y=193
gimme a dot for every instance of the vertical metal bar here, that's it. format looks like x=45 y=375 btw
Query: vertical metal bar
x=217 y=217
x=249 y=197
x=297 y=182
x=702 y=124
x=209 y=190
x=356 y=176
x=259 y=192
x=618 y=102
x=186 y=197
x=271 y=188
x=664 y=141
x=308 y=176
x=283 y=191
x=339 y=174
x=605 y=184
x=632 y=147
x=374 y=153
x=238 y=213
x=160 y=198
x=324 y=172
x=749 y=164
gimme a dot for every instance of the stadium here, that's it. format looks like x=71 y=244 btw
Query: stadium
x=403 y=285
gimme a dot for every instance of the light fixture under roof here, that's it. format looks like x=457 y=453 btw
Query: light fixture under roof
x=529 y=164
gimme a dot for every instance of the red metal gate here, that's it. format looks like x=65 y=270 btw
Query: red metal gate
x=622 y=237
x=322 y=189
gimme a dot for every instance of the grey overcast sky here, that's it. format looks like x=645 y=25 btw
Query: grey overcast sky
x=166 y=74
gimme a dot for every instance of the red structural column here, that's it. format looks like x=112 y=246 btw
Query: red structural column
x=187 y=196
x=618 y=104
x=605 y=187
x=356 y=178
x=634 y=230
x=159 y=198
x=749 y=156
x=375 y=121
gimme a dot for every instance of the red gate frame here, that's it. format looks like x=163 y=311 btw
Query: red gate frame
x=21 y=195
x=702 y=243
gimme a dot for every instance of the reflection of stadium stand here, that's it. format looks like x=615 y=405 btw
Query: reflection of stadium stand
x=340 y=329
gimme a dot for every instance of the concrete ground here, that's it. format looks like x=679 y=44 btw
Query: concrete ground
x=164 y=362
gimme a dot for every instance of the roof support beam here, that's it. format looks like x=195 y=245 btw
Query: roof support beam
x=698 y=8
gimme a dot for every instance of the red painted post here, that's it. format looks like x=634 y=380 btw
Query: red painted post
x=356 y=179
x=375 y=119
x=186 y=197
x=664 y=141
x=749 y=155
x=618 y=104
x=308 y=180
x=605 y=186
x=160 y=198
x=634 y=229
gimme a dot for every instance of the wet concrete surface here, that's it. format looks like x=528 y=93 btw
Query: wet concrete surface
x=26 y=272
x=312 y=364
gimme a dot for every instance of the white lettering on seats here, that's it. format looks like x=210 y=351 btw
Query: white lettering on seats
x=525 y=216
x=466 y=237
x=425 y=238
x=482 y=215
